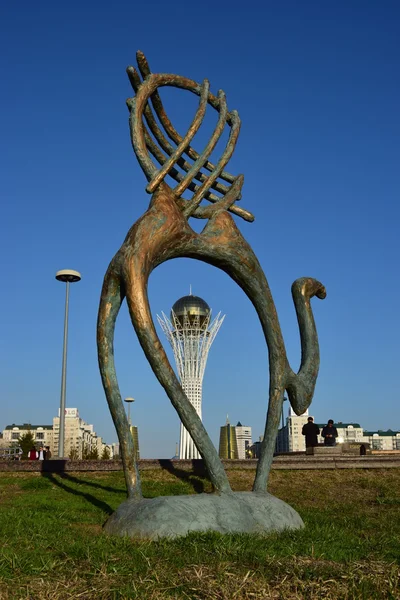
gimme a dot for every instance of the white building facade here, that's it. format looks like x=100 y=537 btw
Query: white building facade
x=382 y=440
x=290 y=438
x=243 y=439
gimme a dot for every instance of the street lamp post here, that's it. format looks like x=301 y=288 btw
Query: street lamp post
x=129 y=402
x=283 y=418
x=66 y=276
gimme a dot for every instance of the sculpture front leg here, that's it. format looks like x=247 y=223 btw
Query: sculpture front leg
x=112 y=296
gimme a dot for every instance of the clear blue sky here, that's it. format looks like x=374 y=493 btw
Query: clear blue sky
x=317 y=88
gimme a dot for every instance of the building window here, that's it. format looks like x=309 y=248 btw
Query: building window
x=40 y=435
x=14 y=436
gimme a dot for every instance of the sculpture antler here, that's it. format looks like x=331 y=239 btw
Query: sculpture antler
x=143 y=143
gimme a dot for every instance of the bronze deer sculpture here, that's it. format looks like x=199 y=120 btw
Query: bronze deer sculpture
x=163 y=233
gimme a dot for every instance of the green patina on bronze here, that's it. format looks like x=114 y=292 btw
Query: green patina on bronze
x=163 y=233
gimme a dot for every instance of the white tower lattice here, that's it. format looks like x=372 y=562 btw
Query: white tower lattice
x=190 y=333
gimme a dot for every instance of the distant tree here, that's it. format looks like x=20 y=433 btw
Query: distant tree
x=73 y=455
x=88 y=454
x=94 y=454
x=26 y=441
x=105 y=454
x=85 y=452
x=116 y=457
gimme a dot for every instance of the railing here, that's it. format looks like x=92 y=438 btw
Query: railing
x=10 y=453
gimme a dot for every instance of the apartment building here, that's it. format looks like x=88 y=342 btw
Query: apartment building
x=43 y=434
x=80 y=437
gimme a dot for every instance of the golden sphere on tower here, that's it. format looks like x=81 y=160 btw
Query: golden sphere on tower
x=191 y=310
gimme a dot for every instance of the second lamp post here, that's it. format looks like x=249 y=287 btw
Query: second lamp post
x=129 y=402
x=66 y=276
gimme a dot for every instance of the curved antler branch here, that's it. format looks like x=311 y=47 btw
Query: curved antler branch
x=197 y=165
x=193 y=129
x=206 y=212
x=230 y=147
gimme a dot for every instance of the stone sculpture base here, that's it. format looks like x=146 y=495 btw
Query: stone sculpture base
x=175 y=516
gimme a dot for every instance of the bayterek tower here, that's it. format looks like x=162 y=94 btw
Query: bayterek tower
x=190 y=332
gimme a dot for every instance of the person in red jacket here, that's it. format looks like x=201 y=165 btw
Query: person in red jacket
x=32 y=454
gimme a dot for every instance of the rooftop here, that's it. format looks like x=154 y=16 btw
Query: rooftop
x=341 y=425
x=28 y=426
x=389 y=432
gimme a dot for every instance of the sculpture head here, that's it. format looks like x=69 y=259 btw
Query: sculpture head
x=218 y=186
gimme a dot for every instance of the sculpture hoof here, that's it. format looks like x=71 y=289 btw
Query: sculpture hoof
x=176 y=516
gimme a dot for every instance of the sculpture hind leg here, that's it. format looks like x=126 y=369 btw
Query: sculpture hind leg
x=112 y=296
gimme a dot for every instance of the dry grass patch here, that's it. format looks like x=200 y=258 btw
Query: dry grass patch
x=295 y=579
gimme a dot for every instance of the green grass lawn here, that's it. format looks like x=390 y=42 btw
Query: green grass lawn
x=52 y=544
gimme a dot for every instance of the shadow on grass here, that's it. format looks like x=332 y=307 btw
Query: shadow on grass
x=191 y=477
x=92 y=499
x=106 y=488
x=58 y=466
